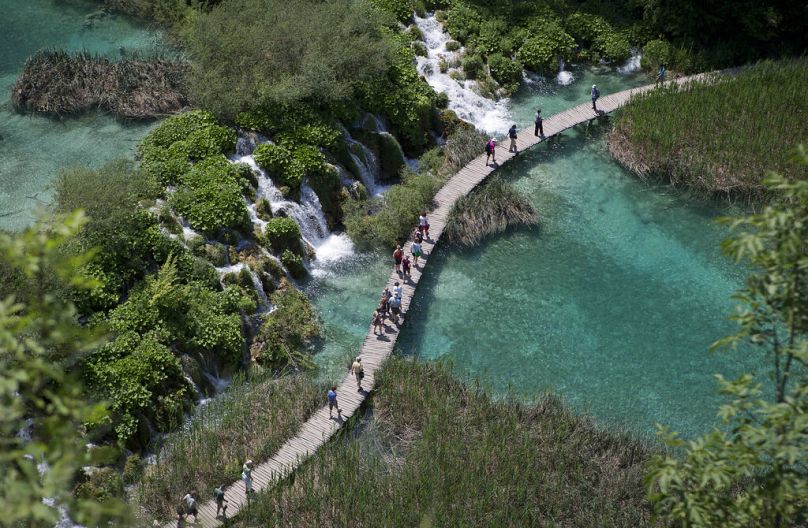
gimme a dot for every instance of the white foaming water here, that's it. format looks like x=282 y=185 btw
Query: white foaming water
x=264 y=306
x=308 y=214
x=632 y=64
x=487 y=115
x=564 y=77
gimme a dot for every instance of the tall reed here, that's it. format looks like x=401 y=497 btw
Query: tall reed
x=452 y=456
x=719 y=136
x=251 y=419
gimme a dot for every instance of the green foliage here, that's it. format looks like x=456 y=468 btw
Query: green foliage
x=549 y=41
x=493 y=37
x=752 y=471
x=40 y=341
x=594 y=32
x=125 y=236
x=138 y=372
x=505 y=71
x=472 y=66
x=101 y=485
x=210 y=198
x=419 y=49
x=717 y=136
x=294 y=263
x=654 y=53
x=283 y=233
x=288 y=332
x=403 y=97
x=400 y=10
x=445 y=454
x=133 y=469
x=394 y=214
x=326 y=184
x=462 y=21
x=251 y=53
x=452 y=45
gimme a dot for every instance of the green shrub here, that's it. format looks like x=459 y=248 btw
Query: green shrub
x=505 y=71
x=654 y=53
x=100 y=484
x=452 y=45
x=133 y=469
x=592 y=31
x=472 y=66
x=211 y=198
x=283 y=233
x=287 y=334
x=540 y=52
x=492 y=37
x=419 y=49
x=400 y=9
x=177 y=128
x=277 y=162
x=293 y=263
x=326 y=184
x=462 y=21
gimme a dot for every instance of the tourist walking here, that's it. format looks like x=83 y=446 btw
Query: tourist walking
x=180 y=520
x=423 y=225
x=660 y=78
x=332 y=402
x=358 y=371
x=405 y=266
x=378 y=323
x=398 y=290
x=221 y=502
x=416 y=250
x=418 y=237
x=395 y=309
x=246 y=476
x=397 y=256
x=491 y=151
x=539 y=130
x=512 y=134
x=595 y=96
x=190 y=505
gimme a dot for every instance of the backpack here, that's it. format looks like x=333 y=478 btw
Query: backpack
x=488 y=148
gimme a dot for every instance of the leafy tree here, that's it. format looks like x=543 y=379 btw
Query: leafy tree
x=754 y=472
x=249 y=53
x=43 y=403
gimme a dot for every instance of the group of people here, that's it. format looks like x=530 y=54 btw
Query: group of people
x=189 y=504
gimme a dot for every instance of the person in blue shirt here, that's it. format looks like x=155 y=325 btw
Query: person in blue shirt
x=660 y=78
x=332 y=402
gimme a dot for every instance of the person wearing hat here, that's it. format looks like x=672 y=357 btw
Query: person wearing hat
x=358 y=371
x=595 y=95
x=490 y=150
x=246 y=476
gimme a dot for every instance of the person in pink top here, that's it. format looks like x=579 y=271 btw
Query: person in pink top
x=490 y=151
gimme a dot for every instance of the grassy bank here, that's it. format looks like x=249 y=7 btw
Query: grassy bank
x=718 y=137
x=490 y=209
x=58 y=83
x=251 y=420
x=450 y=456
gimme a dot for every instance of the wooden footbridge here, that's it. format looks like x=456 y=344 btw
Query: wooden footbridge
x=319 y=428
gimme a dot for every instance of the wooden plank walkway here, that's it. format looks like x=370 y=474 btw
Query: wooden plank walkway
x=377 y=348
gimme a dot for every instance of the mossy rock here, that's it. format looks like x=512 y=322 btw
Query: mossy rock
x=368 y=123
x=193 y=369
x=263 y=209
x=391 y=155
x=214 y=253
x=294 y=263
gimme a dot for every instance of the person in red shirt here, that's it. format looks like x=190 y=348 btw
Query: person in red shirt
x=398 y=254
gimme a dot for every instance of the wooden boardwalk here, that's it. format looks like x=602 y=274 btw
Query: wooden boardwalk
x=377 y=348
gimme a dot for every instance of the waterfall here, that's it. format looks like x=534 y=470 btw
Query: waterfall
x=564 y=77
x=198 y=396
x=632 y=64
x=487 y=115
x=264 y=306
x=327 y=246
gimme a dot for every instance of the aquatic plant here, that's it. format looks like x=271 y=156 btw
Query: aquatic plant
x=719 y=136
x=284 y=233
x=440 y=453
x=59 y=83
x=490 y=209
x=252 y=419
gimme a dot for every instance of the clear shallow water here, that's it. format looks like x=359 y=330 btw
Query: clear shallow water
x=613 y=302
x=33 y=149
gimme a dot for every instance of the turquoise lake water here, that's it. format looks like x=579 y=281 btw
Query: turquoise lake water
x=612 y=303
x=33 y=149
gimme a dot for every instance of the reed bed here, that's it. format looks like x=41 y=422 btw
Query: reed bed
x=492 y=208
x=718 y=137
x=252 y=419
x=455 y=457
x=57 y=83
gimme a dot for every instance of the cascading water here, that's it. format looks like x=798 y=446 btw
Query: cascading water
x=485 y=114
x=632 y=64
x=564 y=77
x=264 y=306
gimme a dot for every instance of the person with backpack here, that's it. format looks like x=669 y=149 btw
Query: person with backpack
x=423 y=225
x=660 y=78
x=221 y=502
x=378 y=323
x=398 y=254
x=190 y=505
x=398 y=291
x=405 y=266
x=332 y=402
x=595 y=96
x=512 y=134
x=395 y=309
x=416 y=251
x=358 y=370
x=539 y=131
x=490 y=151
